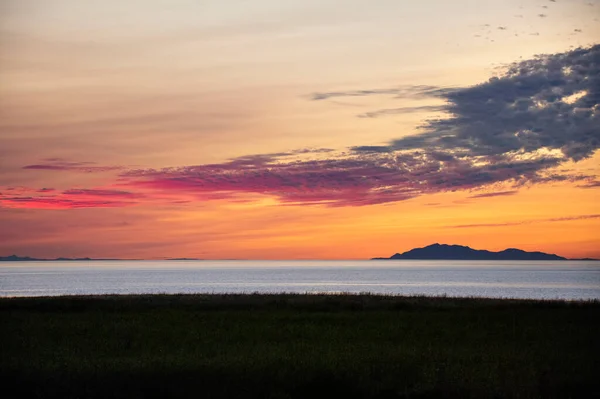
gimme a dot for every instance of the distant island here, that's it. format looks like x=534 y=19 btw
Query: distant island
x=15 y=258
x=460 y=252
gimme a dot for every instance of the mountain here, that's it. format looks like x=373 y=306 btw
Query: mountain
x=459 y=252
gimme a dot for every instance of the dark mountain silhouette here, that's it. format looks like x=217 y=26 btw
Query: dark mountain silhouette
x=459 y=252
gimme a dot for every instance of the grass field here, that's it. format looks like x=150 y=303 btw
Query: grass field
x=298 y=346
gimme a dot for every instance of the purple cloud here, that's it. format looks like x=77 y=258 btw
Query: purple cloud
x=345 y=181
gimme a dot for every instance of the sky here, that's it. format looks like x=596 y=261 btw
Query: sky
x=314 y=129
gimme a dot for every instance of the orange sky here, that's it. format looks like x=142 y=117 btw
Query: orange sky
x=280 y=130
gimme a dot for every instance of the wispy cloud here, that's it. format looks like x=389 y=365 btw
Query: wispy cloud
x=94 y=193
x=407 y=91
x=507 y=224
x=496 y=194
x=59 y=202
x=69 y=199
x=402 y=110
x=592 y=184
x=57 y=164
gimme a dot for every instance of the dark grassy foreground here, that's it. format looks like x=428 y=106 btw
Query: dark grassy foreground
x=298 y=346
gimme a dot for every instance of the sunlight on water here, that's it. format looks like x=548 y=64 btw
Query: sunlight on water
x=538 y=280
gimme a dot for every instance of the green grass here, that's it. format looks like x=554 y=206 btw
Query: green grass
x=298 y=346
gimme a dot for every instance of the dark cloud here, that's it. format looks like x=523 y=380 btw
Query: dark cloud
x=548 y=103
x=507 y=224
x=496 y=194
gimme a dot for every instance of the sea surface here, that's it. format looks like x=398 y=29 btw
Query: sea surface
x=514 y=279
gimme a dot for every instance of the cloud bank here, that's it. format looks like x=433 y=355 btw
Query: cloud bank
x=511 y=129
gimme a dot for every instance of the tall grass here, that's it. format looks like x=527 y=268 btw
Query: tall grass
x=298 y=346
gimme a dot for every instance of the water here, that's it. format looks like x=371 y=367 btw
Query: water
x=536 y=280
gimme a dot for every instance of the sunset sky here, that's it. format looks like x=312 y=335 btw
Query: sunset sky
x=313 y=129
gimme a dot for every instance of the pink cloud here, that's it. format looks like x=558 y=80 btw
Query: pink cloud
x=349 y=180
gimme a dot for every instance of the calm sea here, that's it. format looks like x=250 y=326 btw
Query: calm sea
x=540 y=280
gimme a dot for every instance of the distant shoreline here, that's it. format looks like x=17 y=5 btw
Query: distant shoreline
x=13 y=258
x=3 y=259
x=436 y=251
x=285 y=300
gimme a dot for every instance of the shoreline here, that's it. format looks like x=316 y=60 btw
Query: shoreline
x=294 y=298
